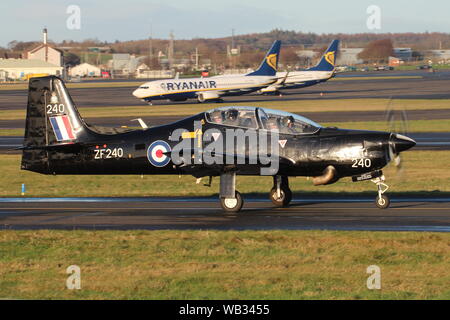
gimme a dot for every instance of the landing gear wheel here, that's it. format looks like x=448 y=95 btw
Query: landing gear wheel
x=232 y=204
x=382 y=201
x=284 y=199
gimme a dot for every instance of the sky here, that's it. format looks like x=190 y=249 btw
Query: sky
x=23 y=20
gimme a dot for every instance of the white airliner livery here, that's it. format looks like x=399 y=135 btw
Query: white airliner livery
x=213 y=88
x=323 y=71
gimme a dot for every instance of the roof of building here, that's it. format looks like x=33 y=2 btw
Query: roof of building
x=42 y=45
x=440 y=51
x=85 y=65
x=121 y=56
x=351 y=50
x=25 y=63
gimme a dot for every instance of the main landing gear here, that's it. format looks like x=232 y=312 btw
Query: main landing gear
x=232 y=201
x=381 y=201
x=280 y=194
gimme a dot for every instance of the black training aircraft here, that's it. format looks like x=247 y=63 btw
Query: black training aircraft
x=58 y=141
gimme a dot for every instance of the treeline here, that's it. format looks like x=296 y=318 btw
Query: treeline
x=260 y=41
x=252 y=46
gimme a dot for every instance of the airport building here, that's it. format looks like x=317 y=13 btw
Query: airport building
x=85 y=70
x=143 y=71
x=46 y=53
x=19 y=69
x=41 y=60
x=404 y=54
x=349 y=56
x=3 y=75
x=440 y=55
x=124 y=63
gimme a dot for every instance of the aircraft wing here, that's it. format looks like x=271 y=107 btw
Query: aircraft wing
x=283 y=80
x=203 y=169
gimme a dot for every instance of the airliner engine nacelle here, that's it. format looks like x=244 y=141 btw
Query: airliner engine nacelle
x=204 y=96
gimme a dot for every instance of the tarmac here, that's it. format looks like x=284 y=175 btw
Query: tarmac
x=405 y=214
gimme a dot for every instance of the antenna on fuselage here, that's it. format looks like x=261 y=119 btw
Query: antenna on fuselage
x=141 y=122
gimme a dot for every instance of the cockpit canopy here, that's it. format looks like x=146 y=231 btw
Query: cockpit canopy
x=262 y=118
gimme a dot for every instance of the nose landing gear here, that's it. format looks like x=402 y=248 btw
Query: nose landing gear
x=381 y=201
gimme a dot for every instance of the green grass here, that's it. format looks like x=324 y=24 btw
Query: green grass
x=92 y=57
x=441 y=66
x=414 y=176
x=223 y=264
x=325 y=105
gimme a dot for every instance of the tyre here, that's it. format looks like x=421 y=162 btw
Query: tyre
x=284 y=199
x=232 y=204
x=382 y=202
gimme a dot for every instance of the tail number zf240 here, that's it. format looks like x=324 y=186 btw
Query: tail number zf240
x=361 y=163
x=108 y=153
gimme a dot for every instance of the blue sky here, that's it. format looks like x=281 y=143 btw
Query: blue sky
x=23 y=20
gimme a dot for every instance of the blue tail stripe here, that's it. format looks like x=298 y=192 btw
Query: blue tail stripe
x=266 y=69
x=56 y=128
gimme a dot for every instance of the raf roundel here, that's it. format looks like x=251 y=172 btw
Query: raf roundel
x=156 y=153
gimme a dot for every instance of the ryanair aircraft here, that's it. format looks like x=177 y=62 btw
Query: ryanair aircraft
x=323 y=71
x=213 y=88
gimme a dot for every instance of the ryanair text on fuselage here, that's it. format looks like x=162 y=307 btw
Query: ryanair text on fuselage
x=188 y=85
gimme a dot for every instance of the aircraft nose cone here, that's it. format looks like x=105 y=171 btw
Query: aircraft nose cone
x=136 y=93
x=401 y=143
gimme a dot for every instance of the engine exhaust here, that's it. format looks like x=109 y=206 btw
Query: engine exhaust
x=329 y=176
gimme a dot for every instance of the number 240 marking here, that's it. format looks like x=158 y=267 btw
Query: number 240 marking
x=363 y=163
x=55 y=108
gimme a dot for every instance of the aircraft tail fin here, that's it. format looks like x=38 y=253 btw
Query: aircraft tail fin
x=269 y=65
x=52 y=120
x=328 y=60
x=52 y=117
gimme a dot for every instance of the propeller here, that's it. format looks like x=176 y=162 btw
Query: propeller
x=397 y=123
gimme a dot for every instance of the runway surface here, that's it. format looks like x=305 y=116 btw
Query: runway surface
x=205 y=213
